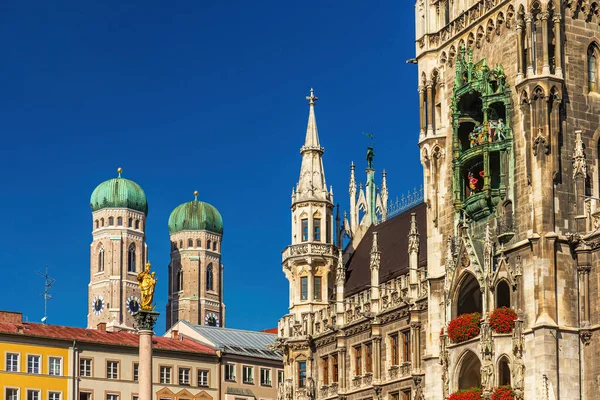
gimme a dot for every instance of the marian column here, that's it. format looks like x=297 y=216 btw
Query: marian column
x=145 y=320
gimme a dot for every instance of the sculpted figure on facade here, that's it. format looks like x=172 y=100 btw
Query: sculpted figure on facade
x=147 y=282
x=487 y=376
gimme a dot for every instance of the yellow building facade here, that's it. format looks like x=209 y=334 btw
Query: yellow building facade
x=34 y=368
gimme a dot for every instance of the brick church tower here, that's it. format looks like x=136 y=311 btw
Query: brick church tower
x=509 y=133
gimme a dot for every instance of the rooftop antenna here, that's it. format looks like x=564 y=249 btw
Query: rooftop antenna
x=46 y=295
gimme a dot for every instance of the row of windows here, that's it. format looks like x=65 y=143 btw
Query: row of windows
x=248 y=375
x=109 y=396
x=362 y=358
x=317 y=288
x=111 y=222
x=34 y=364
x=209 y=279
x=131 y=259
x=184 y=376
x=190 y=244
x=316 y=234
x=32 y=394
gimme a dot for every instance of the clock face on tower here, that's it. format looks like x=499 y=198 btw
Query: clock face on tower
x=133 y=305
x=211 y=319
x=98 y=305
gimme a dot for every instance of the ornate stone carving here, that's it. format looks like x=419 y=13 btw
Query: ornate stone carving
x=487 y=376
x=518 y=373
x=579 y=165
x=486 y=342
x=586 y=336
x=540 y=143
x=145 y=320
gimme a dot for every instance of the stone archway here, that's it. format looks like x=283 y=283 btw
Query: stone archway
x=469 y=371
x=504 y=372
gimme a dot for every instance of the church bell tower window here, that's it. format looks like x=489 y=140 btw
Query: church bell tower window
x=131 y=259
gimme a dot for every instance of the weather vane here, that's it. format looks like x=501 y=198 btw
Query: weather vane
x=46 y=295
x=371 y=137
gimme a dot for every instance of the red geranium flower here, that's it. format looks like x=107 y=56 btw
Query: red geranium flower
x=464 y=327
x=502 y=320
x=503 y=393
x=467 y=394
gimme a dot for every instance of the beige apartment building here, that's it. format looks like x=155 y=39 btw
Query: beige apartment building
x=249 y=368
x=95 y=364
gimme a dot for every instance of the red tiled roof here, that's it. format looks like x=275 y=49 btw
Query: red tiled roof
x=100 y=337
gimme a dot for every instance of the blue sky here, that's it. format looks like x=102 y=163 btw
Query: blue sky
x=185 y=96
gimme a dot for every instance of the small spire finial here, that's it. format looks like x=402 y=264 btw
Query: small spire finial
x=312 y=98
x=196 y=195
x=119 y=170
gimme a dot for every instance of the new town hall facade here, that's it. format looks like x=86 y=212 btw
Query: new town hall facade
x=509 y=141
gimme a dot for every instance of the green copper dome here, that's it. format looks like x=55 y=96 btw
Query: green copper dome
x=119 y=193
x=195 y=216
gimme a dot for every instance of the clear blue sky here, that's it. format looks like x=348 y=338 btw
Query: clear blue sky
x=184 y=96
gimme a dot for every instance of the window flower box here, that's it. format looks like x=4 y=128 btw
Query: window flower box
x=467 y=394
x=502 y=320
x=503 y=393
x=464 y=327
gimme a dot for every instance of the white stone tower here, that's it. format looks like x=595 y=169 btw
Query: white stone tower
x=195 y=270
x=308 y=262
x=118 y=252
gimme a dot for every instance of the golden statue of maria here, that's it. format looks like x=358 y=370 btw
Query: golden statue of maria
x=146 y=282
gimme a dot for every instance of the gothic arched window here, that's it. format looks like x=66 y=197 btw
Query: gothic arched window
x=101 y=259
x=190 y=243
x=97 y=224
x=592 y=67
x=209 y=277
x=101 y=221
x=130 y=222
x=181 y=244
x=198 y=243
x=131 y=258
x=137 y=224
x=215 y=246
x=208 y=244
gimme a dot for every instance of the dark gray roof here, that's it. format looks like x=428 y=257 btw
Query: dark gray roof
x=237 y=341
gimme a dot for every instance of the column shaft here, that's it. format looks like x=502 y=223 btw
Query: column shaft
x=145 y=365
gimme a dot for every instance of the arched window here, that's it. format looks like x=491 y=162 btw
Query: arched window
x=209 y=277
x=208 y=244
x=137 y=224
x=119 y=221
x=97 y=224
x=503 y=372
x=101 y=221
x=111 y=221
x=131 y=258
x=470 y=371
x=469 y=296
x=179 y=280
x=130 y=222
x=502 y=294
x=215 y=246
x=190 y=243
x=101 y=259
x=198 y=243
x=592 y=67
x=181 y=244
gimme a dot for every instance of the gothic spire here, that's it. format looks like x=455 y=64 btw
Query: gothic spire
x=375 y=253
x=311 y=184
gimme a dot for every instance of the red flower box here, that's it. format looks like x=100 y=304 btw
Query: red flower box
x=502 y=320
x=467 y=394
x=464 y=327
x=503 y=393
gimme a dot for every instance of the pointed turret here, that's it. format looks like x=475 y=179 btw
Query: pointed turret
x=384 y=196
x=311 y=184
x=374 y=265
x=340 y=281
x=352 y=191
